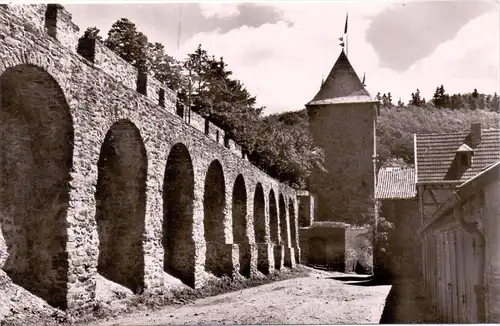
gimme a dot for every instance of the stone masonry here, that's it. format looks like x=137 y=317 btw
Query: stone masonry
x=99 y=174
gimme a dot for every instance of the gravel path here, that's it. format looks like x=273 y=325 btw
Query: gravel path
x=316 y=299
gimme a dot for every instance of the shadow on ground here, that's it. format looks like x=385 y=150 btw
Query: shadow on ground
x=406 y=303
x=362 y=280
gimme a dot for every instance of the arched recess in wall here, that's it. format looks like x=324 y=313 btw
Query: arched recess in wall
x=36 y=146
x=283 y=225
x=121 y=205
x=317 y=251
x=214 y=203
x=259 y=214
x=273 y=218
x=239 y=212
x=178 y=196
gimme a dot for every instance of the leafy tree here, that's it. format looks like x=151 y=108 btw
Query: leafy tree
x=440 y=98
x=495 y=103
x=488 y=100
x=225 y=101
x=386 y=99
x=93 y=33
x=165 y=68
x=416 y=100
x=389 y=99
x=130 y=44
x=481 y=102
x=456 y=102
x=472 y=101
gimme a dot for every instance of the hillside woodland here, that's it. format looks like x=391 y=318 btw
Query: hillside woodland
x=281 y=144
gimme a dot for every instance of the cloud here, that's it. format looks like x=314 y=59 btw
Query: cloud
x=406 y=32
x=160 y=22
x=220 y=10
x=281 y=58
x=283 y=64
x=468 y=61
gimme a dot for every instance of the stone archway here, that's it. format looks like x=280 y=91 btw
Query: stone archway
x=273 y=218
x=283 y=224
x=121 y=205
x=178 y=197
x=214 y=203
x=259 y=213
x=36 y=146
x=259 y=223
x=239 y=213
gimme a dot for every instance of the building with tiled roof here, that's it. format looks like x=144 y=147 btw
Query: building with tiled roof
x=395 y=183
x=444 y=161
x=456 y=156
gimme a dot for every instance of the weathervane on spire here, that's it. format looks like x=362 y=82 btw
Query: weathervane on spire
x=341 y=39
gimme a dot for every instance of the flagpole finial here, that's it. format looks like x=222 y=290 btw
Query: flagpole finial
x=345 y=31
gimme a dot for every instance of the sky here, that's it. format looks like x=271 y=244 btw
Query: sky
x=281 y=50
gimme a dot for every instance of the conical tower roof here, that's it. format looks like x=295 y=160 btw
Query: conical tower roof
x=342 y=86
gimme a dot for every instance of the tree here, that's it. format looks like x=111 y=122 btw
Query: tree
x=166 y=69
x=416 y=100
x=495 y=103
x=223 y=100
x=456 y=102
x=436 y=99
x=440 y=98
x=389 y=99
x=128 y=43
x=472 y=102
x=481 y=102
x=92 y=33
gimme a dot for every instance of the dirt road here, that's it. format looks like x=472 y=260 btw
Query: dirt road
x=321 y=298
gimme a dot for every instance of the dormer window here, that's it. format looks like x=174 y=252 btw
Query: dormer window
x=464 y=153
x=465 y=159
